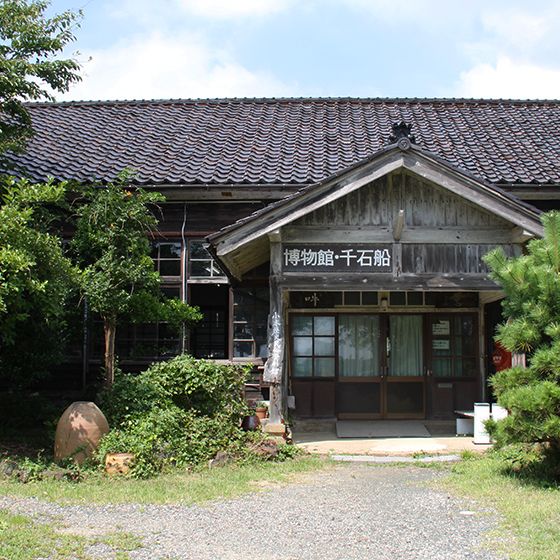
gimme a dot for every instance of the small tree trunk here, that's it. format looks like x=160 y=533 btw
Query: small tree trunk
x=110 y=329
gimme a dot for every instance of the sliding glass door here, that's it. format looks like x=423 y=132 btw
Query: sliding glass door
x=403 y=387
x=359 y=366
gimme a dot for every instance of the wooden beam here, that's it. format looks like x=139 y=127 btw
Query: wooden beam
x=383 y=234
x=275 y=236
x=398 y=226
x=381 y=282
x=520 y=235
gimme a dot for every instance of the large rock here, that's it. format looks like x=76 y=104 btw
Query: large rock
x=78 y=432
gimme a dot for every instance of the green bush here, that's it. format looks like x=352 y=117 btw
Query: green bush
x=20 y=410
x=175 y=414
x=170 y=437
x=201 y=386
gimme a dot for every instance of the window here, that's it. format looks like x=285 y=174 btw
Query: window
x=250 y=318
x=454 y=347
x=209 y=337
x=326 y=300
x=313 y=346
x=167 y=258
x=143 y=340
x=201 y=263
x=413 y=299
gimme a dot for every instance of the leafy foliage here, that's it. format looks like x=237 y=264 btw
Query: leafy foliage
x=113 y=251
x=170 y=437
x=204 y=387
x=30 y=65
x=532 y=307
x=36 y=278
x=175 y=413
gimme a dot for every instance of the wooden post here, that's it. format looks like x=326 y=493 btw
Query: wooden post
x=274 y=367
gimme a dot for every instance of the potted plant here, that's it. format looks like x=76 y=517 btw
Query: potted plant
x=261 y=409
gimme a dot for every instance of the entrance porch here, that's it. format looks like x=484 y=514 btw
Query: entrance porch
x=378 y=287
x=321 y=437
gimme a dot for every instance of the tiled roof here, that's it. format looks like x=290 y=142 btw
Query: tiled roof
x=285 y=141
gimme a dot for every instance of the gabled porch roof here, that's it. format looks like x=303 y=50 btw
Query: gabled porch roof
x=245 y=244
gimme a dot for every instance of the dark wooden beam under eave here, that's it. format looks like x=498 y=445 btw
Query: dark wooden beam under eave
x=388 y=281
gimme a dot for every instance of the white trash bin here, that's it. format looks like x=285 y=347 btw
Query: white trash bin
x=498 y=412
x=481 y=414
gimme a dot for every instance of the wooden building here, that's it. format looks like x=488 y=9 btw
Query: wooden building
x=339 y=242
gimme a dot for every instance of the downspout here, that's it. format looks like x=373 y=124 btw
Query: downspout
x=184 y=275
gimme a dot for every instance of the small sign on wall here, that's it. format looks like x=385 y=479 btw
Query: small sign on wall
x=336 y=257
x=440 y=344
x=441 y=328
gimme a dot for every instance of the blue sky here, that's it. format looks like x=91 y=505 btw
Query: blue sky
x=141 y=49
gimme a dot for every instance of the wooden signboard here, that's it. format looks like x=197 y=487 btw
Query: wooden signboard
x=336 y=257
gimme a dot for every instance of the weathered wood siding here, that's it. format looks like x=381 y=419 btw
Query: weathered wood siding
x=204 y=218
x=378 y=204
x=431 y=257
x=439 y=232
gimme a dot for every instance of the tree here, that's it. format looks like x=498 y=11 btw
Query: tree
x=30 y=65
x=532 y=307
x=36 y=279
x=117 y=273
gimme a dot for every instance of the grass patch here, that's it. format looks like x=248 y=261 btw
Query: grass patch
x=178 y=487
x=531 y=511
x=22 y=539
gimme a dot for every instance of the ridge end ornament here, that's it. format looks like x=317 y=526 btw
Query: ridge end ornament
x=402 y=135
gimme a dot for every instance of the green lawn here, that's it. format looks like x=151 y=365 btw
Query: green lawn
x=530 y=511
x=22 y=539
x=185 y=488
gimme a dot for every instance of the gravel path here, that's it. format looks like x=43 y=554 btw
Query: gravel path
x=352 y=512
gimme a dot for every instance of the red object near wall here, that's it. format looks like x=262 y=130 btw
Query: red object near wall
x=501 y=358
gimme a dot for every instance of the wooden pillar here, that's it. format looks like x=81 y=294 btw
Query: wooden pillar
x=274 y=367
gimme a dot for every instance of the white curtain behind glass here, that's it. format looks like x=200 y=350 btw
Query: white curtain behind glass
x=358 y=345
x=406 y=345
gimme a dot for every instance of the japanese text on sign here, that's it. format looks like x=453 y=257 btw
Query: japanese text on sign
x=337 y=258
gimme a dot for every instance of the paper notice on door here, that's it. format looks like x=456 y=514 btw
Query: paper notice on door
x=440 y=328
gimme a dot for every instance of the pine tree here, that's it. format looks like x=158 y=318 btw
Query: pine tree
x=531 y=284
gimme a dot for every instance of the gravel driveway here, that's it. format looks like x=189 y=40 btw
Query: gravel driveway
x=350 y=512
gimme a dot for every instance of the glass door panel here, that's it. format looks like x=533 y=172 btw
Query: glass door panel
x=404 y=385
x=406 y=352
x=358 y=346
x=359 y=366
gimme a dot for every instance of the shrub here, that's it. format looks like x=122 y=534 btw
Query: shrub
x=531 y=283
x=201 y=386
x=176 y=413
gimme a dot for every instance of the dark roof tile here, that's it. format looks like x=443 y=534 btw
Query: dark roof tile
x=293 y=141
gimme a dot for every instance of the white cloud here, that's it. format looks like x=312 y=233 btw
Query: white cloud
x=229 y=9
x=516 y=28
x=429 y=13
x=508 y=78
x=157 y=66
x=515 y=56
